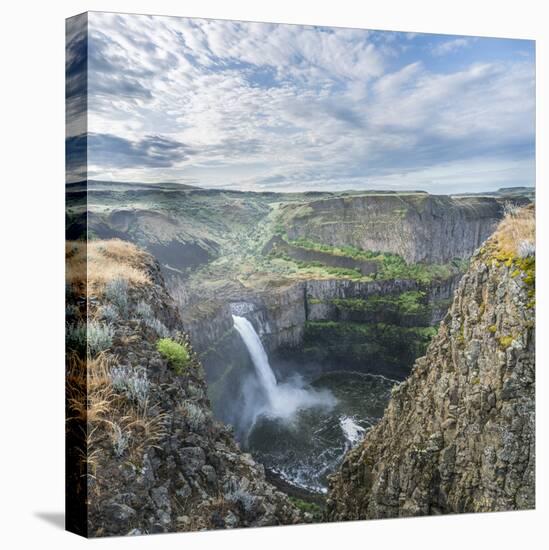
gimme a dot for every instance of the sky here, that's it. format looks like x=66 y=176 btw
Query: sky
x=270 y=107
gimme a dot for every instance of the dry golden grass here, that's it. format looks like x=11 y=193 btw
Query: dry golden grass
x=89 y=397
x=97 y=410
x=89 y=388
x=147 y=429
x=93 y=264
x=516 y=228
x=142 y=429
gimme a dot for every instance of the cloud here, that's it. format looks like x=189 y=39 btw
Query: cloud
x=152 y=151
x=262 y=106
x=76 y=158
x=76 y=67
x=451 y=46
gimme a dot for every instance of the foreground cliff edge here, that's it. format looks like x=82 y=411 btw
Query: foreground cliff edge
x=458 y=434
x=145 y=454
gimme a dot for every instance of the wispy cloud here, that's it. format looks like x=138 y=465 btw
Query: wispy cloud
x=451 y=46
x=263 y=106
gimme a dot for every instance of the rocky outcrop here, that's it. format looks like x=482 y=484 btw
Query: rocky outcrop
x=419 y=227
x=339 y=324
x=280 y=314
x=325 y=297
x=158 y=460
x=458 y=434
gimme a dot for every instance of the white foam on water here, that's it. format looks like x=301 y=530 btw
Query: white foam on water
x=352 y=431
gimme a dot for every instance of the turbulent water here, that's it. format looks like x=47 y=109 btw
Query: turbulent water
x=311 y=445
x=302 y=431
x=280 y=400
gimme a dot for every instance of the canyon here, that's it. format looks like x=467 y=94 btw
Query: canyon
x=335 y=303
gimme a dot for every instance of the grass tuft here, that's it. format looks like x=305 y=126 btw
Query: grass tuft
x=177 y=354
x=516 y=233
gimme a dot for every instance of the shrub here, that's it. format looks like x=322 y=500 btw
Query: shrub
x=132 y=382
x=307 y=507
x=76 y=338
x=109 y=313
x=72 y=312
x=92 y=337
x=116 y=292
x=120 y=439
x=99 y=337
x=176 y=353
x=193 y=413
x=158 y=326
x=145 y=312
x=510 y=208
x=241 y=497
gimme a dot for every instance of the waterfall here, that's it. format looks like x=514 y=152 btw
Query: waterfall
x=284 y=399
x=258 y=354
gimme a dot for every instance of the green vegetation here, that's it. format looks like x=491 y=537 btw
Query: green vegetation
x=528 y=267
x=522 y=268
x=308 y=507
x=409 y=303
x=314 y=268
x=177 y=354
x=390 y=266
x=367 y=329
x=394 y=267
x=505 y=341
x=347 y=251
x=337 y=271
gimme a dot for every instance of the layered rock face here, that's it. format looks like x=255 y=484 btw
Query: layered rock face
x=458 y=434
x=418 y=227
x=339 y=324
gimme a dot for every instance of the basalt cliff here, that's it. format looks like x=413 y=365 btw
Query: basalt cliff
x=458 y=434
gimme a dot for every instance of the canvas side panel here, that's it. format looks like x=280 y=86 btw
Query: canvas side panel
x=76 y=100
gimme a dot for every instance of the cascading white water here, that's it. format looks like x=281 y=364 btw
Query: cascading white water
x=283 y=399
x=258 y=354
